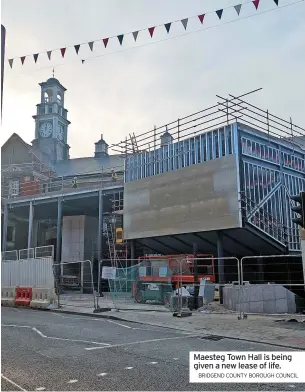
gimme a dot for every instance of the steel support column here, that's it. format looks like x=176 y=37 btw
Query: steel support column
x=132 y=251
x=221 y=274
x=221 y=269
x=30 y=232
x=99 y=238
x=4 y=227
x=58 y=235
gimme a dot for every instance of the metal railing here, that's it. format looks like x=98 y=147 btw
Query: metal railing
x=97 y=180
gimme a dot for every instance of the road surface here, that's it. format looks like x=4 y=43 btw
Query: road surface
x=48 y=351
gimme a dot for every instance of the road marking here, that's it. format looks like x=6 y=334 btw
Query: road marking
x=175 y=359
x=102 y=374
x=40 y=389
x=139 y=342
x=53 y=337
x=13 y=383
x=129 y=367
x=153 y=363
x=72 y=381
x=122 y=325
x=69 y=340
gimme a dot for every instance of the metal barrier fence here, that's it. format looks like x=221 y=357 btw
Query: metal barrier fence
x=9 y=255
x=27 y=272
x=28 y=253
x=74 y=284
x=44 y=251
x=154 y=283
x=276 y=285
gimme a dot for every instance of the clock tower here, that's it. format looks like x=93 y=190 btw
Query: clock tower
x=51 y=123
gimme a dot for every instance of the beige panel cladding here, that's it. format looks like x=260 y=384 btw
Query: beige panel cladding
x=201 y=197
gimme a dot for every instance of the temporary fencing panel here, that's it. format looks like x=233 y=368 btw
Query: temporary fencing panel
x=27 y=273
x=9 y=255
x=44 y=251
x=28 y=253
x=276 y=284
x=74 y=284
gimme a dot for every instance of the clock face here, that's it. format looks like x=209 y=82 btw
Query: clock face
x=60 y=132
x=45 y=129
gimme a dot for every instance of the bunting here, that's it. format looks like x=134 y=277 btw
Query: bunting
x=201 y=17
x=184 y=22
x=219 y=13
x=237 y=8
x=168 y=26
x=120 y=38
x=151 y=30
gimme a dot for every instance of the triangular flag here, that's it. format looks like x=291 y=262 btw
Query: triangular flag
x=120 y=38
x=201 y=17
x=22 y=59
x=276 y=2
x=49 y=54
x=151 y=31
x=105 y=40
x=237 y=8
x=76 y=47
x=83 y=61
x=168 y=26
x=10 y=61
x=219 y=13
x=91 y=45
x=63 y=51
x=256 y=3
x=135 y=35
x=35 y=57
x=184 y=22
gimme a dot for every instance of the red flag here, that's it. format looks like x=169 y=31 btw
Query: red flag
x=201 y=17
x=151 y=31
x=63 y=51
x=256 y=3
x=105 y=40
x=22 y=59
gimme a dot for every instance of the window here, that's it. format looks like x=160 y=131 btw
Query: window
x=59 y=99
x=10 y=236
x=14 y=187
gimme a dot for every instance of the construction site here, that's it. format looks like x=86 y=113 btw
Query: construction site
x=213 y=185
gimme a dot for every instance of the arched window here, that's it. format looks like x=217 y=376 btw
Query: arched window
x=59 y=98
x=48 y=96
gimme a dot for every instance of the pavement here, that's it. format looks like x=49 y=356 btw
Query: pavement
x=269 y=329
x=56 y=351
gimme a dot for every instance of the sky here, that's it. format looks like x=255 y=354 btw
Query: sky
x=121 y=90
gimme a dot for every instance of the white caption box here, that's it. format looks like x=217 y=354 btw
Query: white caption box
x=247 y=367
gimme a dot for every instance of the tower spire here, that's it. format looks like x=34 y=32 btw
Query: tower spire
x=53 y=72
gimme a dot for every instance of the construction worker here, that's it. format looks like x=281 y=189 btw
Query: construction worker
x=74 y=182
x=114 y=176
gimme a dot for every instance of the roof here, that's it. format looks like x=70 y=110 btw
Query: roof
x=90 y=165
